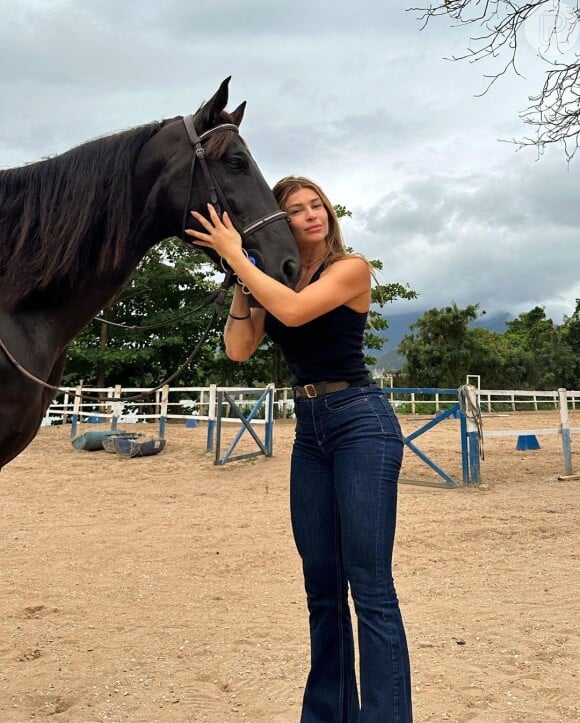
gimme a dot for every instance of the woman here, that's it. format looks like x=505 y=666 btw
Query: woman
x=345 y=459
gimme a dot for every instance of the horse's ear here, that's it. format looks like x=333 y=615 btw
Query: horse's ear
x=238 y=113
x=209 y=114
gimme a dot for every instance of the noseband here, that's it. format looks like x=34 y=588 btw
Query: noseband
x=215 y=194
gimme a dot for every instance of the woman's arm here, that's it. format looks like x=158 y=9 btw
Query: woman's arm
x=343 y=282
x=244 y=329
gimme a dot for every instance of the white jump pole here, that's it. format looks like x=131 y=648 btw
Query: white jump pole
x=473 y=435
x=164 y=408
x=211 y=416
x=565 y=431
x=76 y=410
x=117 y=406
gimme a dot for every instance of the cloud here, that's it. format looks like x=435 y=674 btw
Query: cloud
x=505 y=239
x=356 y=97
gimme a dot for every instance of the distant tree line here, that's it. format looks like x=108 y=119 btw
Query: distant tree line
x=171 y=285
x=533 y=352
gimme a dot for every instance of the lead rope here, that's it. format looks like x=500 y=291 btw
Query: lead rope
x=220 y=297
x=161 y=324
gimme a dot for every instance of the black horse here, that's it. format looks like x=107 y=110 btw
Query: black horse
x=74 y=227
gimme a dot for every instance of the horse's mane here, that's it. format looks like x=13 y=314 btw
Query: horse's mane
x=61 y=213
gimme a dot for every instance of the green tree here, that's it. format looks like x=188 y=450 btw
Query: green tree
x=437 y=352
x=549 y=359
x=168 y=285
x=381 y=295
x=532 y=353
x=500 y=363
x=570 y=335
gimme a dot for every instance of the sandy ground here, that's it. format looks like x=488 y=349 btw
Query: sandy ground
x=168 y=589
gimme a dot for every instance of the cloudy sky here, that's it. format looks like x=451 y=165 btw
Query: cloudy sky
x=358 y=98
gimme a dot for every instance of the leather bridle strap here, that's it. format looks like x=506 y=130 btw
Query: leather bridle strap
x=264 y=221
x=199 y=155
x=195 y=140
x=216 y=196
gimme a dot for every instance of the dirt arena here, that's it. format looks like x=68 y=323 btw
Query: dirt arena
x=169 y=589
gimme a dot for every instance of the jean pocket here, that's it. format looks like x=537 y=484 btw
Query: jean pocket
x=388 y=410
x=345 y=399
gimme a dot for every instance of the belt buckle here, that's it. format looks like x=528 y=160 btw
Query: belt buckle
x=310 y=391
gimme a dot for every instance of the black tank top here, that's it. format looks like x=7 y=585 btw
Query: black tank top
x=326 y=349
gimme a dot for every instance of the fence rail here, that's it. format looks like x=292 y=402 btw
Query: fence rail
x=520 y=399
x=199 y=402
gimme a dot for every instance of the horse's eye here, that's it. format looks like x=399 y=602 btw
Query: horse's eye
x=237 y=163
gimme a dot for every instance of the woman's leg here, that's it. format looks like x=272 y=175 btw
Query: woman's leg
x=367 y=459
x=330 y=695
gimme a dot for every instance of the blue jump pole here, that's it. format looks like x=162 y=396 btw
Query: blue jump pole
x=464 y=449
x=269 y=421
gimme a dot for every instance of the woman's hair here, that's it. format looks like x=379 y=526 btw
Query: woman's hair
x=335 y=248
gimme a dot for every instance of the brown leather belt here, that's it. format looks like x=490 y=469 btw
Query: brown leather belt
x=320 y=388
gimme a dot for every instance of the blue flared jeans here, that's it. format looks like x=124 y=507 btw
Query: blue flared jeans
x=343 y=492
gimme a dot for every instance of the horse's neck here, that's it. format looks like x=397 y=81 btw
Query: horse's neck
x=57 y=322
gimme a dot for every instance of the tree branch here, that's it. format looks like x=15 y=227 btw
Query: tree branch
x=554 y=113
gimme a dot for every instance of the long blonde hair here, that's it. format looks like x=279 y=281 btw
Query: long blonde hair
x=335 y=248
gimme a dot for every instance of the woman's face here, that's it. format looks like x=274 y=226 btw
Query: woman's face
x=308 y=217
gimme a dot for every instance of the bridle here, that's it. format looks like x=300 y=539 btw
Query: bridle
x=218 y=199
x=214 y=192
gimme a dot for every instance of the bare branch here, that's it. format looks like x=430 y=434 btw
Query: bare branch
x=554 y=113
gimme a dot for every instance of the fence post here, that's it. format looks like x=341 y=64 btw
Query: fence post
x=164 y=407
x=464 y=448
x=219 y=402
x=211 y=416
x=565 y=430
x=76 y=410
x=116 y=408
x=473 y=435
x=269 y=420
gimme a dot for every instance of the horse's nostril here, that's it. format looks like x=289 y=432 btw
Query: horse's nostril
x=290 y=272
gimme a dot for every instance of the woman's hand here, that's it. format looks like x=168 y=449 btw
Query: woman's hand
x=221 y=236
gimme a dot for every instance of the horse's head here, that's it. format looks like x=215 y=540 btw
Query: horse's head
x=202 y=158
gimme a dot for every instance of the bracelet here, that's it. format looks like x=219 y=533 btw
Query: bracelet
x=239 y=318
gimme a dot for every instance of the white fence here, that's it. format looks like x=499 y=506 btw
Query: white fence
x=99 y=404
x=519 y=400
x=198 y=403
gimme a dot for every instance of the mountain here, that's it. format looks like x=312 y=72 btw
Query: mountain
x=399 y=326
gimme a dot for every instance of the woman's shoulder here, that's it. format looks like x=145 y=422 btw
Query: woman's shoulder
x=352 y=262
